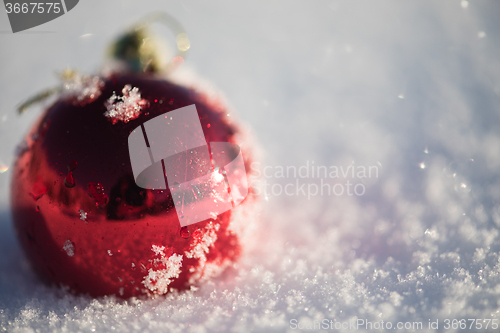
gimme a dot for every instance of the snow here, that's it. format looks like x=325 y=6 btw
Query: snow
x=83 y=215
x=69 y=248
x=166 y=269
x=127 y=107
x=82 y=88
x=202 y=240
x=411 y=87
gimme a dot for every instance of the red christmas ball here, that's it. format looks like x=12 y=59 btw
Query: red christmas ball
x=81 y=218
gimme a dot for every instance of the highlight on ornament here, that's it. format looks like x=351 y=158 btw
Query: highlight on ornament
x=130 y=183
x=178 y=136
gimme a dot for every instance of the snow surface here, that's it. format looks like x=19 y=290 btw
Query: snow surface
x=412 y=88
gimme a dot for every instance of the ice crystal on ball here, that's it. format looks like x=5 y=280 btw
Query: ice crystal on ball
x=127 y=107
x=82 y=88
x=69 y=248
x=166 y=269
x=83 y=215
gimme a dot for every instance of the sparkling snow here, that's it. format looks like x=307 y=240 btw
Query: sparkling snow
x=167 y=268
x=83 y=88
x=410 y=87
x=127 y=107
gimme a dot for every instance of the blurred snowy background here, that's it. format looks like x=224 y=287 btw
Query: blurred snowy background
x=411 y=87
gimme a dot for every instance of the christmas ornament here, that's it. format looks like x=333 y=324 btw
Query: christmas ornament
x=89 y=218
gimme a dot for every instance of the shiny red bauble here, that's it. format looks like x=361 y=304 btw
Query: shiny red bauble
x=80 y=217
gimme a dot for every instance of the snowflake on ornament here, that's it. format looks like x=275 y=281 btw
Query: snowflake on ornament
x=128 y=107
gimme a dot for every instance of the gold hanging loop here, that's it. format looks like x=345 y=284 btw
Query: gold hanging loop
x=139 y=51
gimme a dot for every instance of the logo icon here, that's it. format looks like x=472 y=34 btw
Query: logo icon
x=170 y=151
x=25 y=14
